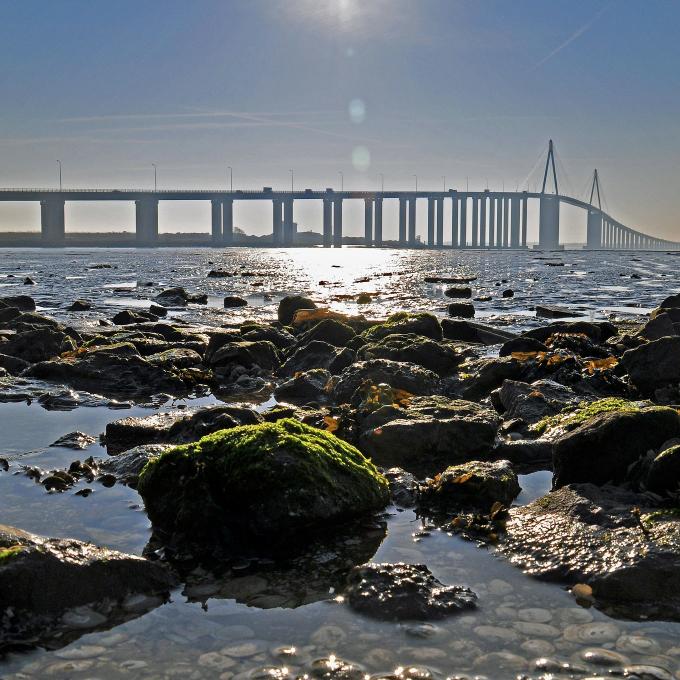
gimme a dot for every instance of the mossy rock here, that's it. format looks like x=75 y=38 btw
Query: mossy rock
x=261 y=487
x=418 y=323
x=663 y=475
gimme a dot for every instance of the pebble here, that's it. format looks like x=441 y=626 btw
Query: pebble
x=423 y=653
x=538 y=647
x=81 y=652
x=243 y=650
x=421 y=630
x=645 y=672
x=133 y=665
x=638 y=644
x=536 y=629
x=496 y=633
x=500 y=661
x=215 y=661
x=602 y=657
x=499 y=587
x=65 y=669
x=598 y=631
x=534 y=615
x=83 y=617
x=329 y=636
x=574 y=615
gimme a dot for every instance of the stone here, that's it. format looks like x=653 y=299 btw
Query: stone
x=403 y=486
x=458 y=292
x=279 y=337
x=79 y=306
x=232 y=301
x=291 y=304
x=464 y=310
x=663 y=474
x=521 y=344
x=532 y=402
x=508 y=293
x=555 y=312
x=245 y=353
x=127 y=317
x=654 y=364
x=158 y=310
x=179 y=297
x=13 y=365
x=37 y=345
x=23 y=303
x=331 y=331
x=398 y=592
x=597 y=331
x=268 y=485
x=318 y=354
x=74 y=440
x=660 y=326
x=304 y=387
x=401 y=323
x=476 y=484
x=490 y=374
x=472 y=331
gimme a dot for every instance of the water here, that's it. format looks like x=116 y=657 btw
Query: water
x=211 y=636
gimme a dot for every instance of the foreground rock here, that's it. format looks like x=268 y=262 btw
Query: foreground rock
x=41 y=578
x=654 y=365
x=178 y=297
x=402 y=323
x=606 y=538
x=265 y=486
x=126 y=467
x=291 y=304
x=403 y=592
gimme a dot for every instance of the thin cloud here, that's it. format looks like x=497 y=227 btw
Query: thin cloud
x=574 y=36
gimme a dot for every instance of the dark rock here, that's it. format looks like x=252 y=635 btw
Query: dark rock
x=279 y=337
x=653 y=365
x=603 y=448
x=597 y=331
x=28 y=281
x=416 y=349
x=4 y=464
x=24 y=303
x=663 y=475
x=529 y=452
x=219 y=274
x=304 y=387
x=465 y=310
x=508 y=293
x=578 y=344
x=178 y=297
x=8 y=313
x=399 y=375
x=175 y=358
x=402 y=323
x=38 y=345
x=533 y=401
x=450 y=279
x=74 y=440
x=490 y=374
x=158 y=310
x=318 y=354
x=79 y=306
x=291 y=304
x=231 y=301
x=268 y=486
x=671 y=302
x=126 y=467
x=458 y=292
x=471 y=331
x=521 y=344
x=247 y=354
x=328 y=330
x=404 y=592
x=475 y=484
x=660 y=326
x=403 y=487
x=12 y=365
x=672 y=312
x=127 y=317
x=555 y=312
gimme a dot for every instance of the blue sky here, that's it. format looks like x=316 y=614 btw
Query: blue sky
x=467 y=90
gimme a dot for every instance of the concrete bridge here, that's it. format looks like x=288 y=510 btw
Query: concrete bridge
x=479 y=219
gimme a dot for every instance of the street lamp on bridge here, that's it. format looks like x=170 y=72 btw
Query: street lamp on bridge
x=231 y=178
x=59 y=164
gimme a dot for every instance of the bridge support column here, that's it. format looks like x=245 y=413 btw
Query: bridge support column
x=146 y=218
x=506 y=221
x=515 y=227
x=337 y=223
x=216 y=214
x=462 y=238
x=440 y=222
x=525 y=219
x=227 y=221
x=475 y=221
x=594 y=230
x=327 y=222
x=412 y=221
x=482 y=220
x=52 y=222
x=288 y=226
x=492 y=221
x=549 y=222
x=277 y=221
x=430 y=220
x=402 y=221
x=377 y=221
x=368 y=221
x=454 y=220
x=499 y=220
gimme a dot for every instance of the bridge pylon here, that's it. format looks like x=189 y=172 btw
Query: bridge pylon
x=549 y=210
x=594 y=223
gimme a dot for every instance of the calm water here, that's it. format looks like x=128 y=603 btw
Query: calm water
x=518 y=619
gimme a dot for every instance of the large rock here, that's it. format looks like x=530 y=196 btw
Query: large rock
x=531 y=402
x=279 y=337
x=402 y=323
x=398 y=375
x=331 y=331
x=476 y=484
x=179 y=297
x=427 y=435
x=663 y=473
x=127 y=466
x=415 y=349
x=38 y=345
x=404 y=592
x=23 y=303
x=654 y=365
x=602 y=448
x=606 y=538
x=597 y=331
x=472 y=331
x=244 y=353
x=263 y=487
x=489 y=374
x=291 y=304
x=318 y=354
x=661 y=326
x=304 y=387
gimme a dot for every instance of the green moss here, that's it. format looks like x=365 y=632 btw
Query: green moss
x=420 y=323
x=6 y=554
x=659 y=515
x=575 y=415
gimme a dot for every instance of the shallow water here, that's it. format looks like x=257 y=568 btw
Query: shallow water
x=518 y=619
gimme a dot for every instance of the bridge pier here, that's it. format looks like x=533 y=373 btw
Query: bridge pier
x=216 y=215
x=402 y=221
x=525 y=218
x=454 y=220
x=377 y=221
x=52 y=222
x=440 y=222
x=515 y=226
x=594 y=230
x=549 y=222
x=277 y=222
x=482 y=221
x=288 y=228
x=368 y=221
x=430 y=220
x=462 y=239
x=337 y=223
x=146 y=221
x=327 y=222
x=506 y=221
x=227 y=221
x=475 y=222
x=412 y=221
x=492 y=221
x=499 y=221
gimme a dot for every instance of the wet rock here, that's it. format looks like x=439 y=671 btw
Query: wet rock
x=291 y=304
x=398 y=375
x=231 y=301
x=28 y=281
x=465 y=310
x=430 y=433
x=305 y=387
x=219 y=274
x=23 y=303
x=402 y=323
x=471 y=331
x=79 y=306
x=38 y=345
x=671 y=302
x=158 y=310
x=318 y=354
x=403 y=487
x=397 y=592
x=245 y=353
x=521 y=344
x=458 y=292
x=74 y=440
x=597 y=331
x=526 y=452
x=415 y=349
x=127 y=317
x=8 y=313
x=660 y=326
x=127 y=466
x=477 y=484
x=179 y=297
x=597 y=536
x=331 y=331
x=663 y=473
x=175 y=427
x=534 y=401
x=175 y=358
x=12 y=365
x=602 y=448
x=555 y=312
x=508 y=293
x=488 y=374
x=268 y=485
x=450 y=279
x=653 y=365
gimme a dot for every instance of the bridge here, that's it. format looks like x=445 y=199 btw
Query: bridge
x=479 y=219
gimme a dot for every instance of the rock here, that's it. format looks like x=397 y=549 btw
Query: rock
x=663 y=475
x=521 y=344
x=74 y=440
x=450 y=279
x=402 y=323
x=41 y=578
x=415 y=349
x=403 y=487
x=175 y=427
x=268 y=485
x=28 y=281
x=603 y=447
x=529 y=452
x=175 y=358
x=79 y=306
x=465 y=310
x=127 y=466
x=532 y=401
x=328 y=330
x=291 y=304
x=127 y=317
x=24 y=303
x=555 y=312
x=178 y=297
x=304 y=387
x=399 y=375
x=597 y=331
x=653 y=365
x=671 y=302
x=477 y=484
x=245 y=353
x=279 y=337
x=430 y=433
x=219 y=274
x=490 y=374
x=318 y=354
x=470 y=331
x=12 y=365
x=660 y=326
x=404 y=592
x=231 y=301
x=508 y=293
x=40 y=344
x=158 y=310
x=587 y=534
x=8 y=313
x=458 y=292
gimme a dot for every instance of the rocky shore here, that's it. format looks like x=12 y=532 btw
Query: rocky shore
x=370 y=414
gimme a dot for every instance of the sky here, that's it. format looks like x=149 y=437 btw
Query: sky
x=459 y=93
